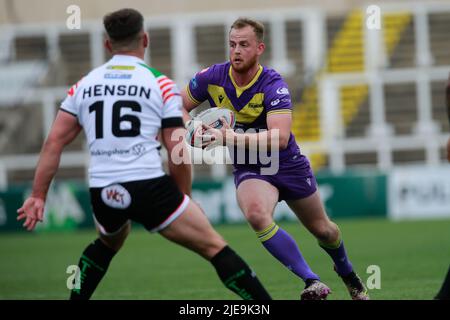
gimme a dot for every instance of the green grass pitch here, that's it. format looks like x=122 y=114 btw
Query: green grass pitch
x=413 y=257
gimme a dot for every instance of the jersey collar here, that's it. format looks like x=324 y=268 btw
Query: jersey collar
x=240 y=90
x=127 y=58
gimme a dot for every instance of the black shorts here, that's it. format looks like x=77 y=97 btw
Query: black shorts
x=154 y=203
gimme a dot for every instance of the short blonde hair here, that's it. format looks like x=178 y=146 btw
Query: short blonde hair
x=257 y=26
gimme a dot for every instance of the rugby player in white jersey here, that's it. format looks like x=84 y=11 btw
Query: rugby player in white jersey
x=122 y=106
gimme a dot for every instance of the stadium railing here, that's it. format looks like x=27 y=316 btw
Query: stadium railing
x=184 y=62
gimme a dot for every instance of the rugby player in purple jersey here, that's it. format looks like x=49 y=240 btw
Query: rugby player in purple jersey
x=261 y=101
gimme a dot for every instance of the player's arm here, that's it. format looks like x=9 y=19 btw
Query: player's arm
x=196 y=91
x=277 y=135
x=279 y=126
x=188 y=105
x=178 y=157
x=172 y=134
x=278 y=132
x=64 y=130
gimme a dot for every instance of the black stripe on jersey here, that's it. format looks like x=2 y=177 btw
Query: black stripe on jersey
x=62 y=109
x=172 y=122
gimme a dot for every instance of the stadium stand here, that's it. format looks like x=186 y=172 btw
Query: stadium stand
x=335 y=70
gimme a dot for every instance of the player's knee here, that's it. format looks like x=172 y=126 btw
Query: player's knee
x=334 y=232
x=258 y=216
x=326 y=232
x=116 y=241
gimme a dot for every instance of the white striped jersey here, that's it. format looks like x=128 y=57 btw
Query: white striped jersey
x=122 y=105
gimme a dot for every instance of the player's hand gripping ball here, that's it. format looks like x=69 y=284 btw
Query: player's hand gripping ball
x=195 y=135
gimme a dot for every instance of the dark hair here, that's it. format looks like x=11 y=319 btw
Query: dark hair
x=257 y=26
x=124 y=25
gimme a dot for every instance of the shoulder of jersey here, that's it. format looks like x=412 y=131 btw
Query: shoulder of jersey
x=271 y=75
x=165 y=84
x=73 y=89
x=214 y=72
x=215 y=68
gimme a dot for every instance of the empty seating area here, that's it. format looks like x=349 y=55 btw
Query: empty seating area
x=439 y=25
x=160 y=50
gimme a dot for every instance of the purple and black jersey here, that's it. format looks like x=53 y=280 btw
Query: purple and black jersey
x=266 y=94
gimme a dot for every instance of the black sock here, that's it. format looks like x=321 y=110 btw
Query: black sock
x=237 y=276
x=93 y=265
x=444 y=293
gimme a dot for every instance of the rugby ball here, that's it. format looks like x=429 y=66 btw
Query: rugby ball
x=210 y=117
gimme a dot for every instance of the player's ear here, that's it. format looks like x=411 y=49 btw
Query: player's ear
x=108 y=45
x=261 y=47
x=145 y=40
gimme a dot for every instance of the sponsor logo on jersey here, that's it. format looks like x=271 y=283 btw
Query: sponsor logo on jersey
x=117 y=76
x=138 y=149
x=194 y=83
x=109 y=153
x=283 y=90
x=120 y=67
x=255 y=105
x=116 y=196
x=275 y=102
